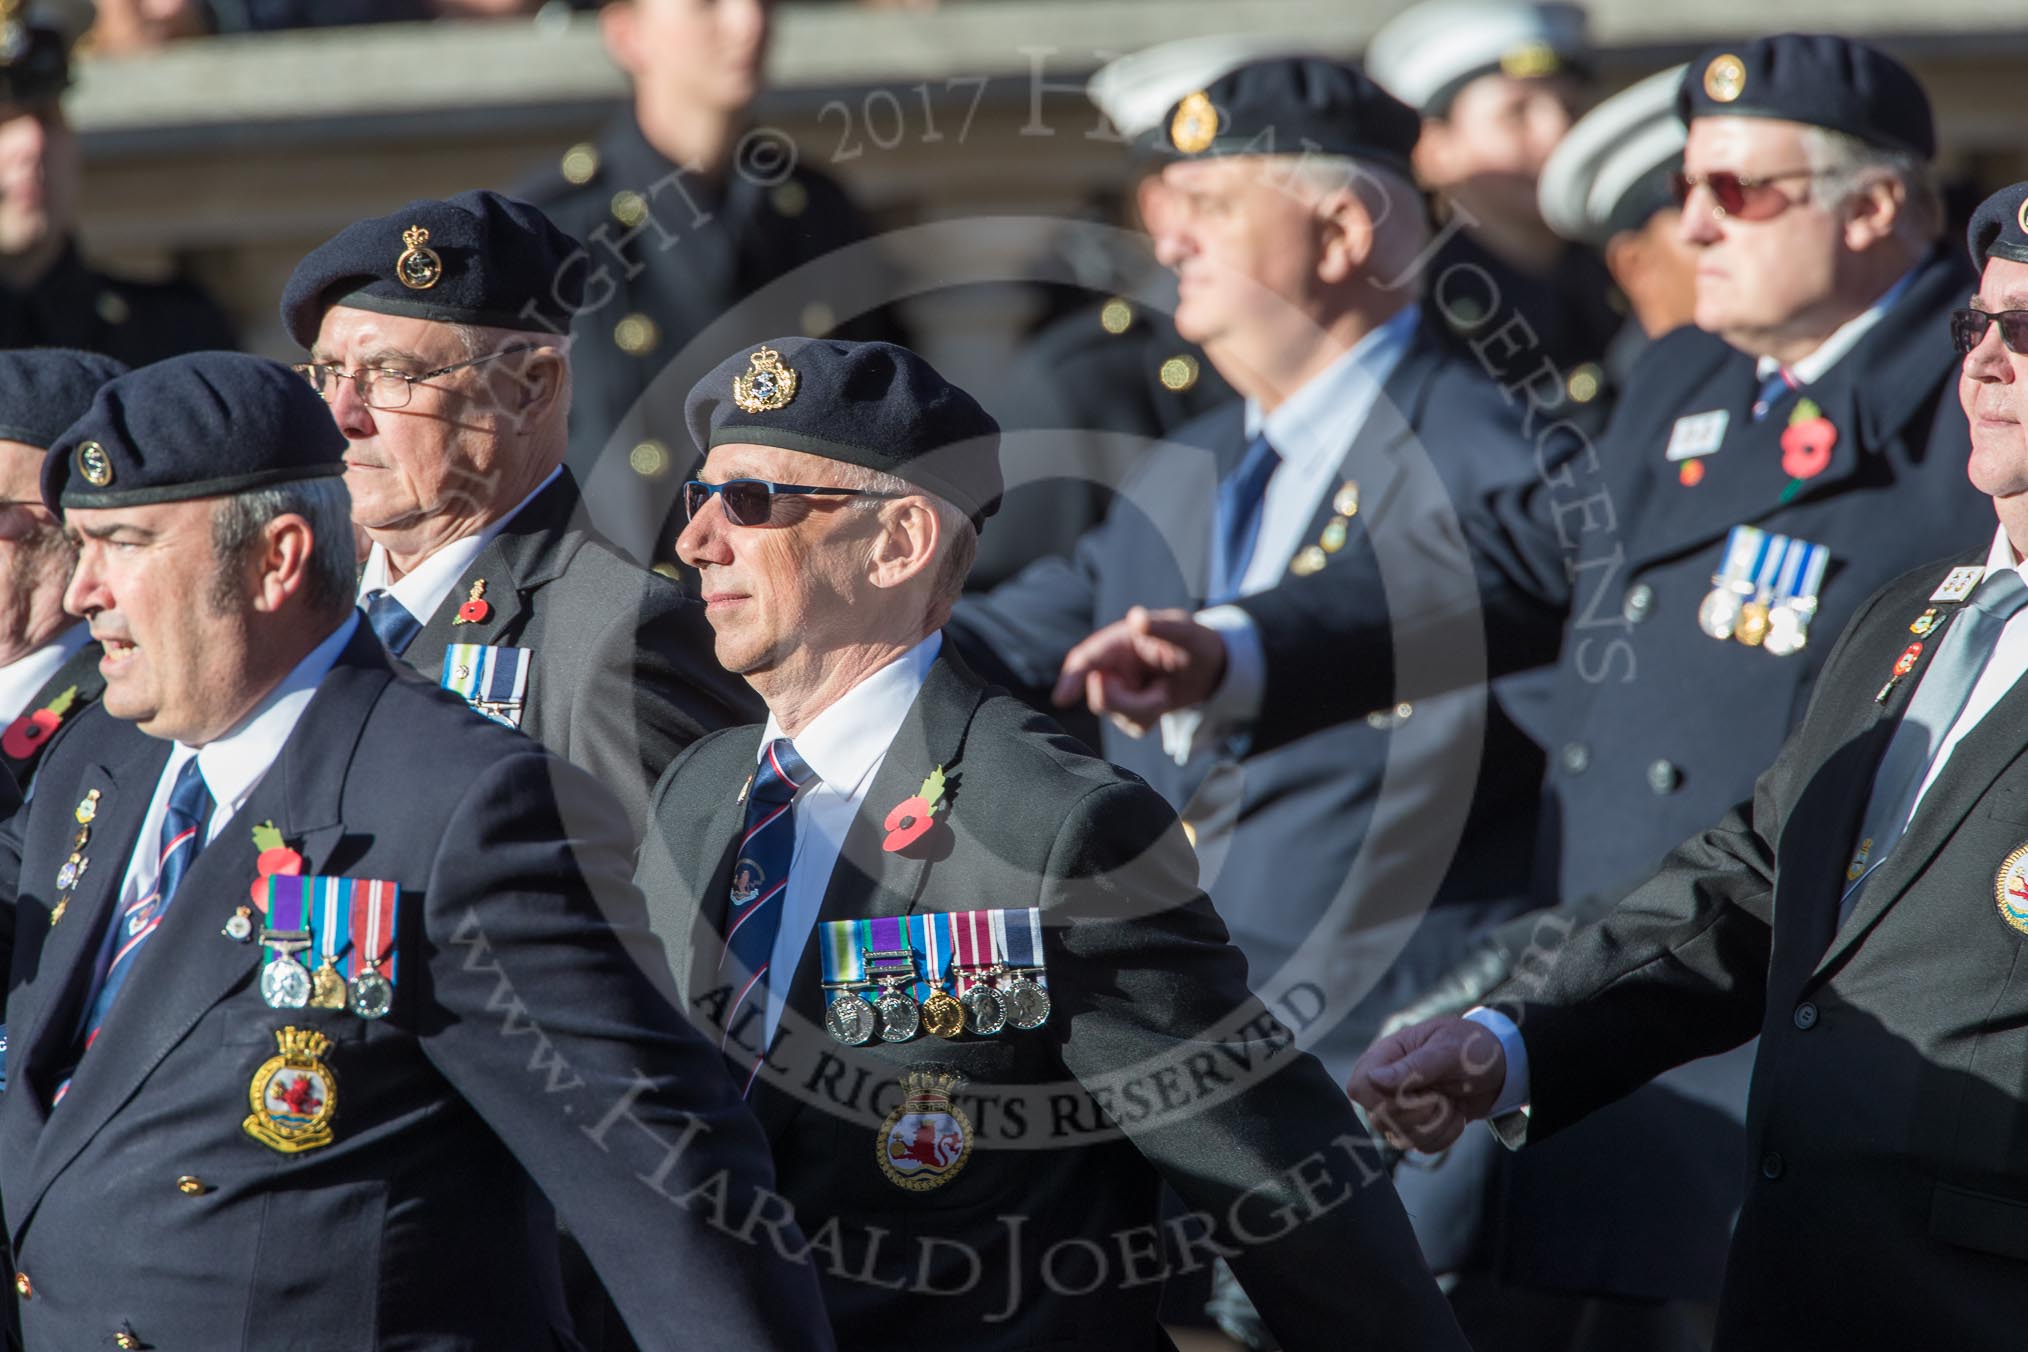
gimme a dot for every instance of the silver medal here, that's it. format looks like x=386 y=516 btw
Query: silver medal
x=985 y=1010
x=370 y=995
x=900 y=1018
x=285 y=984
x=1718 y=616
x=850 y=1020
x=1027 y=1003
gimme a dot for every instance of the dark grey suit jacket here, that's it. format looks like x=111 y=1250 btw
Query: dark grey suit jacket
x=1050 y=1235
x=1887 y=1174
x=623 y=675
x=532 y=1056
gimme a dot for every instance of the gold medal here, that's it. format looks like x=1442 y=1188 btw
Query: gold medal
x=1753 y=622
x=327 y=988
x=943 y=1015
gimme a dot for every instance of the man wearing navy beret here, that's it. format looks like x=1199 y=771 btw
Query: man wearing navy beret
x=48 y=663
x=959 y=965
x=1867 y=915
x=435 y=334
x=307 y=1031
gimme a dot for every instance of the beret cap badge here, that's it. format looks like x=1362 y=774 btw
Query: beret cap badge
x=2021 y=216
x=1530 y=61
x=419 y=268
x=94 y=464
x=1195 y=125
x=1725 y=78
x=770 y=385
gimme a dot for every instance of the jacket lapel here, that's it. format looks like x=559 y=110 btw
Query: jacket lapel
x=869 y=882
x=188 y=966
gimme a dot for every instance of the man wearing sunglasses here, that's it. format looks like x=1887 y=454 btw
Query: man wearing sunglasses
x=1865 y=914
x=925 y=927
x=1822 y=424
x=433 y=334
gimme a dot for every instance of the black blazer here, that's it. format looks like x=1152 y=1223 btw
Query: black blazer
x=1153 y=1024
x=1887 y=1179
x=531 y=1056
x=79 y=673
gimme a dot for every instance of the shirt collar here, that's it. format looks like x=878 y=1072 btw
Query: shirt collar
x=1843 y=339
x=1318 y=420
x=844 y=743
x=22 y=678
x=423 y=588
x=234 y=763
x=2001 y=555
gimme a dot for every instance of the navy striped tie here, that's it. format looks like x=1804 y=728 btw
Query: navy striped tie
x=390 y=619
x=182 y=837
x=760 y=879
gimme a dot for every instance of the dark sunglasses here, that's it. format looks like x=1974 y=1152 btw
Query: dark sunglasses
x=1738 y=195
x=751 y=502
x=1968 y=330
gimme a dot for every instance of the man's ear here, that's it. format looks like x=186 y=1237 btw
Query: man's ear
x=905 y=542
x=281 y=564
x=1873 y=212
x=1346 y=230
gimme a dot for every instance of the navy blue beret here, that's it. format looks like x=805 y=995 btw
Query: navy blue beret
x=870 y=404
x=1819 y=79
x=202 y=425
x=477 y=258
x=34 y=61
x=1293 y=105
x=43 y=390
x=1999 y=228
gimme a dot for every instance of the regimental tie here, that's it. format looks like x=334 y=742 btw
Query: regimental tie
x=1933 y=710
x=1773 y=390
x=760 y=880
x=182 y=837
x=1236 y=522
x=390 y=619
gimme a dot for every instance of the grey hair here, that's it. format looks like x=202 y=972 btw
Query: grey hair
x=332 y=577
x=1844 y=165
x=957 y=541
x=475 y=342
x=1400 y=213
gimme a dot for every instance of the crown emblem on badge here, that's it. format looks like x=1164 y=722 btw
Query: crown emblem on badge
x=1725 y=78
x=94 y=464
x=419 y=268
x=769 y=385
x=1530 y=61
x=925 y=1141
x=1195 y=125
x=293 y=1094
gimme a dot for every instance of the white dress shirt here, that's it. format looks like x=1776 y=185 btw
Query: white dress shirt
x=1312 y=430
x=423 y=588
x=845 y=746
x=2004 y=668
x=232 y=764
x=20 y=679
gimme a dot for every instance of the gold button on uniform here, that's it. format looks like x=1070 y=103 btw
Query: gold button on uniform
x=790 y=199
x=629 y=207
x=1117 y=316
x=580 y=162
x=636 y=335
x=1179 y=373
x=190 y=1185
x=649 y=459
x=818 y=319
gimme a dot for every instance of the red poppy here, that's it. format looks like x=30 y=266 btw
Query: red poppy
x=909 y=822
x=1806 y=447
x=26 y=734
x=474 y=611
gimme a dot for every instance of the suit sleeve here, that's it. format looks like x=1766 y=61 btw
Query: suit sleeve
x=652 y=688
x=1271 y=1158
x=1677 y=970
x=1017 y=634
x=553 y=1021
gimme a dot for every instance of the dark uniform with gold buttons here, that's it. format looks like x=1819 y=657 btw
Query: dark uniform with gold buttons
x=73 y=304
x=671 y=253
x=236 y=1159
x=1716 y=559
x=994 y=863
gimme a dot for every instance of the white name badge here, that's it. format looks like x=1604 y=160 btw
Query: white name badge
x=1698 y=434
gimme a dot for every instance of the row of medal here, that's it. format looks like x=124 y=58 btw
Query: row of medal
x=73 y=868
x=950 y=973
x=343 y=926
x=1765 y=592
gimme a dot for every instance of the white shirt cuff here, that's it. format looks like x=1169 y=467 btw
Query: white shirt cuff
x=1236 y=702
x=1514 y=1090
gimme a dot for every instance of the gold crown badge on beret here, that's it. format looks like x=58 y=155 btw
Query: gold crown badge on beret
x=1530 y=61
x=1725 y=78
x=94 y=464
x=768 y=386
x=2021 y=216
x=15 y=38
x=1195 y=125
x=419 y=268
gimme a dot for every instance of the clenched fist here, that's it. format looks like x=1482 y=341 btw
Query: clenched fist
x=1420 y=1086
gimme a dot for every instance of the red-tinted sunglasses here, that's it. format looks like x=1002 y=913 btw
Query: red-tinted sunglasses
x=1739 y=196
x=1968 y=330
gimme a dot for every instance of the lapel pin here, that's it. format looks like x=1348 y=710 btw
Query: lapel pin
x=475 y=609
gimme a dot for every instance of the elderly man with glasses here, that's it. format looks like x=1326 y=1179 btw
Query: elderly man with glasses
x=435 y=335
